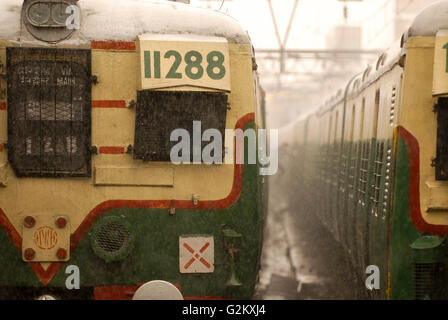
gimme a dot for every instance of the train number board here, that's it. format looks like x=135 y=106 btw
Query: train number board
x=440 y=74
x=168 y=61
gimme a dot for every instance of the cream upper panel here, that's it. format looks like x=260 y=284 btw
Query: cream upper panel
x=418 y=117
x=75 y=198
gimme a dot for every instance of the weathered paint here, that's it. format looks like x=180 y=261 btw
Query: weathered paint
x=160 y=244
x=380 y=171
x=229 y=195
x=417 y=116
x=114 y=127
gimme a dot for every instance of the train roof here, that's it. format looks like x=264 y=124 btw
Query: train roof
x=427 y=23
x=385 y=62
x=125 y=20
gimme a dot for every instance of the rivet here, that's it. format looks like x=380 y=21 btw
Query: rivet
x=61 y=222
x=61 y=253
x=29 y=222
x=29 y=254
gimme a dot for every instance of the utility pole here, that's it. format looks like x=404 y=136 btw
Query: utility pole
x=282 y=42
x=345 y=10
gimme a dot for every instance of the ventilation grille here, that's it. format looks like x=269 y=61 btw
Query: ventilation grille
x=112 y=239
x=427 y=280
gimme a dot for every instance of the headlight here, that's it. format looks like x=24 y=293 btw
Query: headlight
x=39 y=13
x=51 y=14
x=48 y=20
x=59 y=13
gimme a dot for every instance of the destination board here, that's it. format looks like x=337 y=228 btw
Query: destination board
x=180 y=60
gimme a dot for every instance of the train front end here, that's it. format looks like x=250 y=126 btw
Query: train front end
x=419 y=225
x=94 y=202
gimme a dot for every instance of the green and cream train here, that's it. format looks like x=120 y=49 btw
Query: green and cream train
x=91 y=207
x=373 y=164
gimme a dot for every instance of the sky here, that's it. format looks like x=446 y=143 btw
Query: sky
x=313 y=20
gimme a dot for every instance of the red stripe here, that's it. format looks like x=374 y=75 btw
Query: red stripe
x=3 y=105
x=109 y=104
x=114 y=292
x=127 y=292
x=205 y=298
x=45 y=276
x=205 y=262
x=113 y=45
x=1 y=147
x=10 y=230
x=414 y=187
x=188 y=248
x=112 y=150
x=204 y=247
x=189 y=263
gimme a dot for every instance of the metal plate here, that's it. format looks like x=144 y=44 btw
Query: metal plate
x=45 y=238
x=142 y=177
x=196 y=254
x=161 y=112
x=174 y=60
x=49 y=111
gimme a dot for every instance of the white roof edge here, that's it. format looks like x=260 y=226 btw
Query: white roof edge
x=125 y=20
x=430 y=20
x=384 y=62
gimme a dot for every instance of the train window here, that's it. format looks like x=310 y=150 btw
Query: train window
x=352 y=125
x=330 y=126
x=441 y=163
x=49 y=112
x=161 y=112
x=376 y=114
x=352 y=153
x=336 y=124
x=363 y=111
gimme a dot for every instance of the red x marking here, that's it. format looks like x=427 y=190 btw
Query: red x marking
x=196 y=255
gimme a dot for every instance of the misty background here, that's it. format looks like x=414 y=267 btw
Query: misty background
x=308 y=49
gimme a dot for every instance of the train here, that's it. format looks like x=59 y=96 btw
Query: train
x=91 y=204
x=371 y=164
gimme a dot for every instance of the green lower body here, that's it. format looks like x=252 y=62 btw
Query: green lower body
x=155 y=253
x=360 y=192
x=415 y=273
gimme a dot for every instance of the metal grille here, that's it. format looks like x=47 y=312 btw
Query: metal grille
x=49 y=111
x=161 y=112
x=352 y=167
x=427 y=280
x=363 y=172
x=113 y=238
x=377 y=174
x=441 y=162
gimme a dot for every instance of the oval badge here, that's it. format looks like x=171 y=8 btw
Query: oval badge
x=45 y=238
